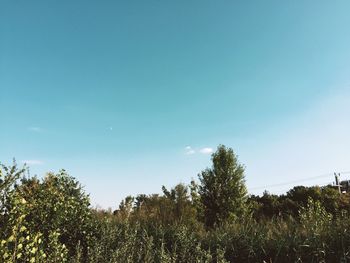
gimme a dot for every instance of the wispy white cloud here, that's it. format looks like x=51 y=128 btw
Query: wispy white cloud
x=35 y=129
x=32 y=162
x=189 y=150
x=206 y=150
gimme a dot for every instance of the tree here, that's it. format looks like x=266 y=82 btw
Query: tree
x=58 y=204
x=125 y=207
x=222 y=189
x=181 y=207
x=27 y=233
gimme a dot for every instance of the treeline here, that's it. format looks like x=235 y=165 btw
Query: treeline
x=212 y=219
x=178 y=205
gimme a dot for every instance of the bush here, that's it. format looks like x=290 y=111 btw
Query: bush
x=43 y=220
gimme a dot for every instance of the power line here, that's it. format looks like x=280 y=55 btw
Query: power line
x=296 y=181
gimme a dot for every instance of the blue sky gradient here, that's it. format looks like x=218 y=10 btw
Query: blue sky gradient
x=114 y=91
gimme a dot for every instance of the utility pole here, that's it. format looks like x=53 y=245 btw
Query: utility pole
x=337 y=182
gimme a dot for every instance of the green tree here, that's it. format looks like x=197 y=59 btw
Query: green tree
x=58 y=203
x=25 y=235
x=125 y=208
x=181 y=208
x=222 y=188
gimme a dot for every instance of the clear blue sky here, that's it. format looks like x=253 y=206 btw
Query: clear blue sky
x=130 y=95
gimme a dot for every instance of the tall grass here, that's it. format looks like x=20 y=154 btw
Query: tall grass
x=313 y=237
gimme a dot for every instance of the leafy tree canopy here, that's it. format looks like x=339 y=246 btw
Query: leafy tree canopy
x=222 y=188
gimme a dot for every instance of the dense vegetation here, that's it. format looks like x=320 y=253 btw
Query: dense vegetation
x=212 y=220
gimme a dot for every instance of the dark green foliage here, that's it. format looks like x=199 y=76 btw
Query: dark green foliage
x=222 y=190
x=8 y=178
x=315 y=236
x=59 y=201
x=126 y=242
x=269 y=205
x=173 y=207
x=43 y=220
